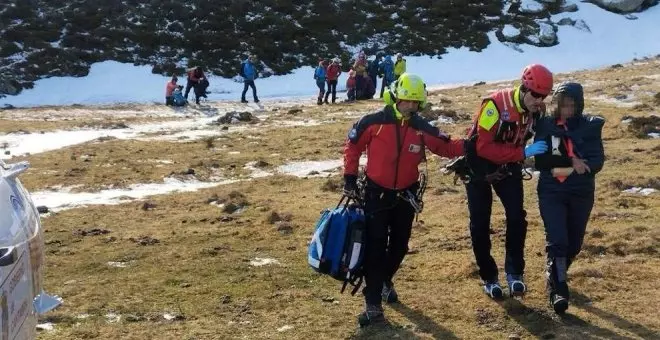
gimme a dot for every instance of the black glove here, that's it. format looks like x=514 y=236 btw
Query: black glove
x=350 y=185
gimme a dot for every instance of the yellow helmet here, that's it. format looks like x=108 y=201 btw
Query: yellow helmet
x=407 y=87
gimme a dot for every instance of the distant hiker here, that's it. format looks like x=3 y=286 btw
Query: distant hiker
x=386 y=71
x=391 y=196
x=332 y=74
x=373 y=68
x=195 y=74
x=360 y=67
x=320 y=77
x=567 y=183
x=368 y=89
x=351 y=86
x=169 y=90
x=200 y=89
x=496 y=151
x=249 y=73
x=399 y=66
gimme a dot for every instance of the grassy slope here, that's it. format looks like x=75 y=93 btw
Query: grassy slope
x=200 y=269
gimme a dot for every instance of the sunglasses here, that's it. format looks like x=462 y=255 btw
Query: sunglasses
x=537 y=95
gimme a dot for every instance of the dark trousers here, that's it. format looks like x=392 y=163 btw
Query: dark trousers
x=246 y=84
x=385 y=84
x=565 y=216
x=389 y=223
x=169 y=100
x=359 y=87
x=480 y=201
x=189 y=85
x=332 y=87
x=321 y=85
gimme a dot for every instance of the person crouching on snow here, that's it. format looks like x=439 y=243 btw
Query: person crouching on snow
x=169 y=90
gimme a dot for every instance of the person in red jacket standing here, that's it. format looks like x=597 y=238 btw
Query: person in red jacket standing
x=332 y=75
x=395 y=139
x=502 y=127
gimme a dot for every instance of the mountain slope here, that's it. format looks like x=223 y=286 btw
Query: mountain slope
x=41 y=38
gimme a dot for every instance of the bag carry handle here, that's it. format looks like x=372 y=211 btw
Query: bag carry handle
x=353 y=283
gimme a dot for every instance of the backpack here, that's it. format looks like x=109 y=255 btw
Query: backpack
x=337 y=245
x=178 y=98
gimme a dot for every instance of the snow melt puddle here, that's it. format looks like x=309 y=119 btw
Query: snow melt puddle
x=63 y=199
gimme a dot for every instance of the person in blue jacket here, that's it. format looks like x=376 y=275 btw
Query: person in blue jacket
x=386 y=70
x=567 y=183
x=320 y=76
x=249 y=73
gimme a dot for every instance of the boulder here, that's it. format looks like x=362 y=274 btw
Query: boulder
x=620 y=6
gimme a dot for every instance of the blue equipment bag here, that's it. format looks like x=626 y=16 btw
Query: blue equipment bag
x=337 y=246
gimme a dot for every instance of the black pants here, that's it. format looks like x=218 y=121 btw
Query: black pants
x=189 y=85
x=480 y=201
x=332 y=87
x=246 y=84
x=169 y=100
x=389 y=223
x=385 y=84
x=565 y=216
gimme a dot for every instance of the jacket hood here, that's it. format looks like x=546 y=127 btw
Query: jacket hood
x=575 y=91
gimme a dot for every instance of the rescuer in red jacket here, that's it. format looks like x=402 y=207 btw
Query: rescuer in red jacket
x=502 y=127
x=395 y=139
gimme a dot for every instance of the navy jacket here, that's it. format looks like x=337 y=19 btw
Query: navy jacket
x=585 y=133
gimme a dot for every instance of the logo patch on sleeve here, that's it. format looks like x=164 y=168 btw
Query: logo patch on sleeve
x=352 y=134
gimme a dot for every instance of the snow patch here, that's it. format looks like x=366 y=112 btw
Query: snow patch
x=640 y=191
x=259 y=261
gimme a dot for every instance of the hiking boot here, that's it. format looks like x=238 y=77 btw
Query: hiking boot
x=389 y=293
x=256 y=100
x=516 y=285
x=372 y=314
x=493 y=289
x=244 y=101
x=558 y=303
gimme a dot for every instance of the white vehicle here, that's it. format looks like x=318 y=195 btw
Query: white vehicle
x=22 y=298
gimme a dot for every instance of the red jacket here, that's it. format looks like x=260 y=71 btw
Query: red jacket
x=194 y=75
x=386 y=166
x=333 y=71
x=503 y=127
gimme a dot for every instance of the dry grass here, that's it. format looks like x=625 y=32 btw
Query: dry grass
x=199 y=269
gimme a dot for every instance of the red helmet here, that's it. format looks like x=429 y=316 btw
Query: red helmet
x=537 y=78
